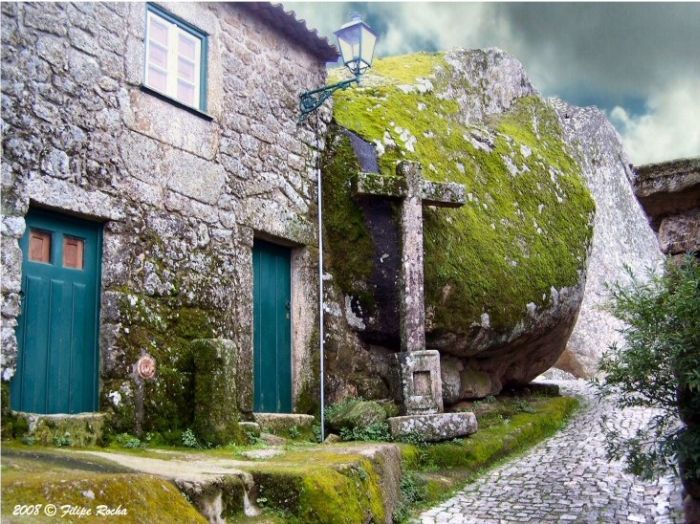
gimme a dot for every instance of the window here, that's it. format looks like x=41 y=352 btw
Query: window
x=40 y=246
x=176 y=58
x=73 y=252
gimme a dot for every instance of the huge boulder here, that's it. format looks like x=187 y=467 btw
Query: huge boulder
x=623 y=241
x=505 y=274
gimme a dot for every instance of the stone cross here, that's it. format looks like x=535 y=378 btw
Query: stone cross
x=419 y=382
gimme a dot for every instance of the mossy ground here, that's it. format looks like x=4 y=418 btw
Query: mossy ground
x=46 y=477
x=307 y=483
x=521 y=232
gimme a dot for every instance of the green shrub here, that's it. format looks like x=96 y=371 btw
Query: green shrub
x=658 y=366
x=62 y=441
x=413 y=491
x=357 y=419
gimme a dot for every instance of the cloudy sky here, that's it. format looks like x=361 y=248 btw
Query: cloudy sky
x=640 y=62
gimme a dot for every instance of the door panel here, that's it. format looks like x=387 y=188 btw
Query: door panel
x=272 y=328
x=57 y=329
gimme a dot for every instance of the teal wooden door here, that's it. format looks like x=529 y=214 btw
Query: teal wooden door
x=57 y=328
x=272 y=328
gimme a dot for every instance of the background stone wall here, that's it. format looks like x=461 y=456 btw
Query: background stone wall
x=181 y=197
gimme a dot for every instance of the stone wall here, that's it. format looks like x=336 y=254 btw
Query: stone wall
x=670 y=195
x=181 y=197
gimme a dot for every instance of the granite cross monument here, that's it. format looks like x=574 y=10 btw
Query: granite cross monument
x=417 y=382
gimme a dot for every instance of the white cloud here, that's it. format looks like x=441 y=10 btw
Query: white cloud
x=443 y=25
x=670 y=129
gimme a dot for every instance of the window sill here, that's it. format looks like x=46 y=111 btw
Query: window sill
x=176 y=103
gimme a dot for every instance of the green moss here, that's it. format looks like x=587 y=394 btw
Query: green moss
x=518 y=236
x=332 y=489
x=351 y=257
x=308 y=399
x=138 y=494
x=163 y=328
x=12 y=425
x=498 y=439
x=215 y=397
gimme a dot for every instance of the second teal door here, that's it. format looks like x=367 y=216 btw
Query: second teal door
x=272 y=328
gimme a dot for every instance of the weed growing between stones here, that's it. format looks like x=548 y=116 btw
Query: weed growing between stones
x=189 y=440
x=377 y=432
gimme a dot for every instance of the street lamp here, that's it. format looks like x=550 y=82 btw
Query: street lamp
x=356 y=42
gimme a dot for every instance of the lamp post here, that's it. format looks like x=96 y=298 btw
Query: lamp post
x=356 y=42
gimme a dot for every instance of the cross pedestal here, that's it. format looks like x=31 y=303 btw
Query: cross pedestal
x=417 y=383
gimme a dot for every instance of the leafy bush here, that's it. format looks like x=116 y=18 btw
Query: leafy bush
x=294 y=433
x=658 y=366
x=63 y=441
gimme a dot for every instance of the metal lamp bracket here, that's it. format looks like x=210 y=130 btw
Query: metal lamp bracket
x=309 y=101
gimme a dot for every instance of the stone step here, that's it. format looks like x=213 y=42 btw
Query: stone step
x=285 y=424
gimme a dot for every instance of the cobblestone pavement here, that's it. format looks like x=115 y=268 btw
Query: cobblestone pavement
x=567 y=478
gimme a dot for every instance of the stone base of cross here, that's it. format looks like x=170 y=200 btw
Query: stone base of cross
x=416 y=381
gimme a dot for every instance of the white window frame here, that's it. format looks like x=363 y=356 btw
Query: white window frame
x=172 y=73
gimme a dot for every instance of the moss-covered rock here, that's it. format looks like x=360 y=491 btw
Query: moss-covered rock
x=215 y=394
x=99 y=489
x=506 y=269
x=332 y=486
x=293 y=426
x=63 y=430
x=164 y=328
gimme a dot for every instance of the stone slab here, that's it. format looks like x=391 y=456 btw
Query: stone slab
x=434 y=427
x=280 y=422
x=252 y=428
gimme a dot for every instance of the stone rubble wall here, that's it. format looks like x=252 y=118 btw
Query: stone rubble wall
x=181 y=197
x=670 y=196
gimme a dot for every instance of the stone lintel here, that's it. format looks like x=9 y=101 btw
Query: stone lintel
x=374 y=184
x=434 y=427
x=447 y=194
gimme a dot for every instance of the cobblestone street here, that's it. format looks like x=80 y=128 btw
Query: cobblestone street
x=567 y=478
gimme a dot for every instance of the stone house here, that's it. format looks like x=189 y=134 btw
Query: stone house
x=157 y=189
